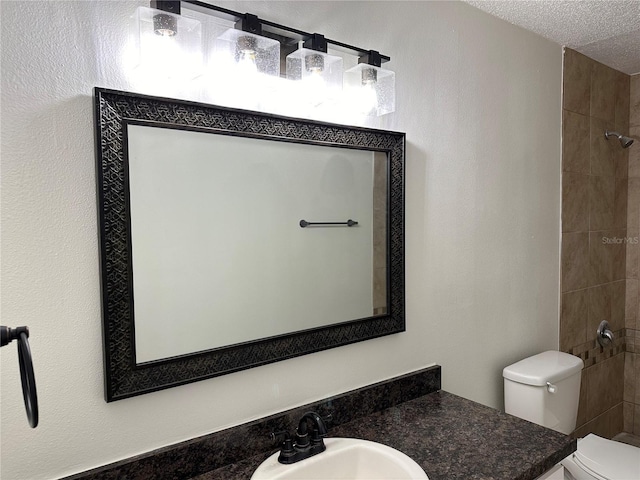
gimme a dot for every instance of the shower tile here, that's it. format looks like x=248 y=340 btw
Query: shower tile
x=601 y=150
x=633 y=153
x=617 y=378
x=575 y=261
x=577 y=82
x=619 y=255
x=584 y=430
x=600 y=425
x=599 y=308
x=620 y=203
x=618 y=293
x=606 y=383
x=600 y=258
x=575 y=202
x=573 y=323
x=628 y=416
x=633 y=204
x=623 y=92
x=629 y=377
x=601 y=202
x=636 y=419
x=633 y=254
x=616 y=420
x=631 y=302
x=636 y=378
x=621 y=160
x=582 y=416
x=633 y=342
x=634 y=113
x=603 y=92
x=575 y=142
x=595 y=382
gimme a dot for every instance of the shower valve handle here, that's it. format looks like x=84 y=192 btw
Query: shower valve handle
x=604 y=334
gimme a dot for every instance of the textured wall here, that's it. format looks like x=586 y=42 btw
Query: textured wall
x=594 y=222
x=479 y=100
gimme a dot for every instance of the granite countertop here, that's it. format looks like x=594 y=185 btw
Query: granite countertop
x=450 y=437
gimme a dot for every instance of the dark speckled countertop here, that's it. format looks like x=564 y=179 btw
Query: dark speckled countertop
x=450 y=437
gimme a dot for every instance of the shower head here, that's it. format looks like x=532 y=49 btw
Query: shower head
x=624 y=141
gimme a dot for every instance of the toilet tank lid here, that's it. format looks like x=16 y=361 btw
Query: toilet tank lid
x=545 y=367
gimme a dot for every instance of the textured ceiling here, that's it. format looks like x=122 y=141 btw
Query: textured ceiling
x=606 y=30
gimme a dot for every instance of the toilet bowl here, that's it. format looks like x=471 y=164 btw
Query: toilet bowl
x=602 y=459
x=545 y=389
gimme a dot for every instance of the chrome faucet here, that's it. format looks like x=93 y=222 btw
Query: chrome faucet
x=305 y=445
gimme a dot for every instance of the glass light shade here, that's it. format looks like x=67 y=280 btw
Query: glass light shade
x=248 y=53
x=371 y=90
x=320 y=74
x=168 y=45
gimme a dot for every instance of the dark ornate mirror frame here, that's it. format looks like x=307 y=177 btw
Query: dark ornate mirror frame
x=113 y=111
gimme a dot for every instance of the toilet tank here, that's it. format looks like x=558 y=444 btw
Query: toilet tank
x=544 y=389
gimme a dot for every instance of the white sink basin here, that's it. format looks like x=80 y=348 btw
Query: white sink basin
x=345 y=458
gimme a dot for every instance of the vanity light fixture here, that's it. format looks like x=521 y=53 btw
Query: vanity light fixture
x=257 y=46
x=168 y=45
x=165 y=24
x=371 y=89
x=247 y=50
x=320 y=74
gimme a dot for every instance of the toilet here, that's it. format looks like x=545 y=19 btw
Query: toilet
x=545 y=389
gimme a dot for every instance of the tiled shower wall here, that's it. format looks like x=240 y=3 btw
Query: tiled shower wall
x=594 y=233
x=632 y=314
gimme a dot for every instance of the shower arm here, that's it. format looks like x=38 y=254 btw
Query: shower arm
x=625 y=142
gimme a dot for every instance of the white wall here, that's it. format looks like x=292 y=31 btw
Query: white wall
x=479 y=100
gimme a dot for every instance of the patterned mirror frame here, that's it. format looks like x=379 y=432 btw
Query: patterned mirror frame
x=114 y=110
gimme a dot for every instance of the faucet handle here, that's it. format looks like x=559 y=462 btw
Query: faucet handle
x=280 y=436
x=604 y=334
x=316 y=437
x=288 y=452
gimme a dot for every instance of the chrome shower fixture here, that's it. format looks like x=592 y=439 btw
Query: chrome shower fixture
x=624 y=141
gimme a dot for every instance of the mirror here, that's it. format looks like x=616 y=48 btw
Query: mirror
x=215 y=219
x=231 y=239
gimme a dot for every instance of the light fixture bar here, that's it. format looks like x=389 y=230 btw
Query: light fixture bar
x=371 y=58
x=255 y=49
x=170 y=6
x=285 y=35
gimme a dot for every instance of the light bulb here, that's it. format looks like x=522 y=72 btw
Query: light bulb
x=314 y=63
x=371 y=89
x=165 y=25
x=367 y=97
x=246 y=55
x=315 y=87
x=163 y=55
x=247 y=62
x=165 y=46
